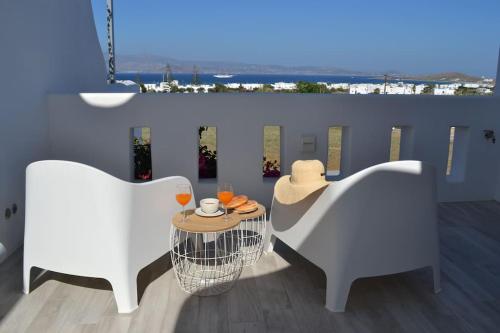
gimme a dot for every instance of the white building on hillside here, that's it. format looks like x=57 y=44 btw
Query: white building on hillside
x=201 y=88
x=344 y=86
x=246 y=86
x=471 y=85
x=444 y=90
x=365 y=88
x=284 y=86
x=399 y=88
x=233 y=85
x=419 y=88
x=252 y=86
x=164 y=87
x=150 y=87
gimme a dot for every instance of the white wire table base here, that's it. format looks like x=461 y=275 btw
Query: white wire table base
x=252 y=233
x=206 y=263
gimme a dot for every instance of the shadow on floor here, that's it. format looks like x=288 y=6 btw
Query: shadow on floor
x=11 y=283
x=146 y=276
x=11 y=277
x=287 y=293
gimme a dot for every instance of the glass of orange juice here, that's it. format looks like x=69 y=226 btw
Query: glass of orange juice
x=225 y=194
x=183 y=196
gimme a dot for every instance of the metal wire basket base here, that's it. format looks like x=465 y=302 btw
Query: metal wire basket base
x=252 y=233
x=200 y=280
x=206 y=264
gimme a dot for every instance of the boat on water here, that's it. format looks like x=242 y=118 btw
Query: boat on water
x=223 y=76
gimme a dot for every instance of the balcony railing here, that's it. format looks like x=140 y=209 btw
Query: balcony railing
x=95 y=129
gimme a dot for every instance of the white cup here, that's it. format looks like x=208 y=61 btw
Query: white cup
x=209 y=205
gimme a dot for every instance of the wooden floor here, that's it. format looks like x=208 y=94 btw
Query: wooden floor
x=283 y=293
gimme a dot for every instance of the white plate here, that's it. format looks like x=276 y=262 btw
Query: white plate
x=199 y=212
x=246 y=212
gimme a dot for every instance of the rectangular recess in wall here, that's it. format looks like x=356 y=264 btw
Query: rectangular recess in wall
x=395 y=143
x=334 y=163
x=207 y=152
x=271 y=163
x=457 y=153
x=401 y=143
x=141 y=146
x=449 y=163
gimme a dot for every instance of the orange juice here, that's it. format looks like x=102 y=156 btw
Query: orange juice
x=225 y=196
x=183 y=198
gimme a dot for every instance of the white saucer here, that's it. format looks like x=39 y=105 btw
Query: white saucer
x=199 y=212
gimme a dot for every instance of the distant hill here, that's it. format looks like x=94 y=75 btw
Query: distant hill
x=445 y=77
x=155 y=64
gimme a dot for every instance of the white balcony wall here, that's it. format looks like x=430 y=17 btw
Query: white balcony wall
x=89 y=129
x=497 y=87
x=45 y=46
x=497 y=93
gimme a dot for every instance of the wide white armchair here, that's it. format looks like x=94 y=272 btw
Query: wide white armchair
x=82 y=221
x=379 y=221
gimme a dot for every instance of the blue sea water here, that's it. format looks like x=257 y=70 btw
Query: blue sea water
x=185 y=78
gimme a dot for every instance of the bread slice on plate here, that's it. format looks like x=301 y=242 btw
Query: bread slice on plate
x=237 y=201
x=248 y=207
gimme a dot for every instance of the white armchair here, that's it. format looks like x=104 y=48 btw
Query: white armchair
x=379 y=221
x=82 y=221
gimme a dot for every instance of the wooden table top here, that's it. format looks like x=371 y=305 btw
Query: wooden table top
x=197 y=223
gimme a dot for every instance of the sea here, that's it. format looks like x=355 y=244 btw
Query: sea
x=185 y=78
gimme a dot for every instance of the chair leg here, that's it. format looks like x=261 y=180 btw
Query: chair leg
x=26 y=277
x=337 y=292
x=436 y=275
x=125 y=291
x=269 y=245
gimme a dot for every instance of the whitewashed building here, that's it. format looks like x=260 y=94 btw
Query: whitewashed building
x=444 y=90
x=284 y=86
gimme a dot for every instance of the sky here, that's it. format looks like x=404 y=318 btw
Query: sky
x=413 y=37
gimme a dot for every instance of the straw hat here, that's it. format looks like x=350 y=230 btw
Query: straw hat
x=307 y=177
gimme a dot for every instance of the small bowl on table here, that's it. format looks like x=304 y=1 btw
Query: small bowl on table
x=209 y=205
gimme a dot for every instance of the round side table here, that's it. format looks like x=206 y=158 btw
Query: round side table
x=206 y=254
x=252 y=232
